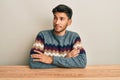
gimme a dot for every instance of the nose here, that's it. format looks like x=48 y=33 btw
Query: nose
x=58 y=21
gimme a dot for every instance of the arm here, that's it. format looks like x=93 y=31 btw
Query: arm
x=38 y=64
x=39 y=46
x=73 y=59
x=44 y=61
x=73 y=62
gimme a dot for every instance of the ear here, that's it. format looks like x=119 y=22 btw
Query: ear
x=69 y=22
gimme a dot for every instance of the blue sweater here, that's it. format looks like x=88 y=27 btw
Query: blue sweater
x=58 y=47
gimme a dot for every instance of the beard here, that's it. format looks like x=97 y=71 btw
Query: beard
x=59 y=30
x=62 y=29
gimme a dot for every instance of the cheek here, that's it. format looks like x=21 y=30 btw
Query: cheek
x=54 y=22
x=65 y=23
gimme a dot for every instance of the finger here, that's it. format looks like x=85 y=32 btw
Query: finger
x=35 y=55
x=75 y=55
x=36 y=60
x=76 y=50
x=37 y=51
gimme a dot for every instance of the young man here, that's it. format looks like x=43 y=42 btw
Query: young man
x=58 y=47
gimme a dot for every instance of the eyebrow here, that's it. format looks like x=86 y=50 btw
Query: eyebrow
x=60 y=17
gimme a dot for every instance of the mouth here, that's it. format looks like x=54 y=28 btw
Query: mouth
x=57 y=26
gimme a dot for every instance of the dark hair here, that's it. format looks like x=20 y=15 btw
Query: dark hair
x=63 y=8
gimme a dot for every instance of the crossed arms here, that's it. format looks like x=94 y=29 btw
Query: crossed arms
x=75 y=58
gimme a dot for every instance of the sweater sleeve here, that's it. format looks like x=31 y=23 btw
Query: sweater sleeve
x=38 y=45
x=37 y=65
x=74 y=62
x=79 y=61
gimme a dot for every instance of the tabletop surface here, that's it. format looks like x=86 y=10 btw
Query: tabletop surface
x=90 y=72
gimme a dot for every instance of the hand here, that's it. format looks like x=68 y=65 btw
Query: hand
x=40 y=57
x=73 y=53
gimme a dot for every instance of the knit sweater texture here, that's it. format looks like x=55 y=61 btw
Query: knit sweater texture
x=58 y=46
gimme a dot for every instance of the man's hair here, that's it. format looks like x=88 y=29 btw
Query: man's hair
x=63 y=8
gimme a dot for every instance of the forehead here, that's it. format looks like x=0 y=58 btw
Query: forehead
x=60 y=14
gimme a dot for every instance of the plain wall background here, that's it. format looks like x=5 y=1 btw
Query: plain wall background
x=96 y=21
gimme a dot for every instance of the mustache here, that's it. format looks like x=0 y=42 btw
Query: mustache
x=57 y=25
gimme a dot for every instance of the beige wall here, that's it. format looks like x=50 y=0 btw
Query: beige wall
x=97 y=22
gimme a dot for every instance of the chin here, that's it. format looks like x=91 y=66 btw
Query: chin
x=57 y=31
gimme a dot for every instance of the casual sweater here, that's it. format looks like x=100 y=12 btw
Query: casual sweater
x=58 y=46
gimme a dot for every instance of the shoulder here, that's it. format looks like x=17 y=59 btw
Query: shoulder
x=44 y=32
x=74 y=34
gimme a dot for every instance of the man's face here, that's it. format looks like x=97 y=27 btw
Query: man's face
x=60 y=22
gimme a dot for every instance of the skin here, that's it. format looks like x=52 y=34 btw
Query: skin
x=60 y=23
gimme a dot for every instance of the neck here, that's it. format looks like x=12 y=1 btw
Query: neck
x=60 y=33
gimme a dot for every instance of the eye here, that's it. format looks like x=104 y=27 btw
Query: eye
x=62 y=18
x=54 y=17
